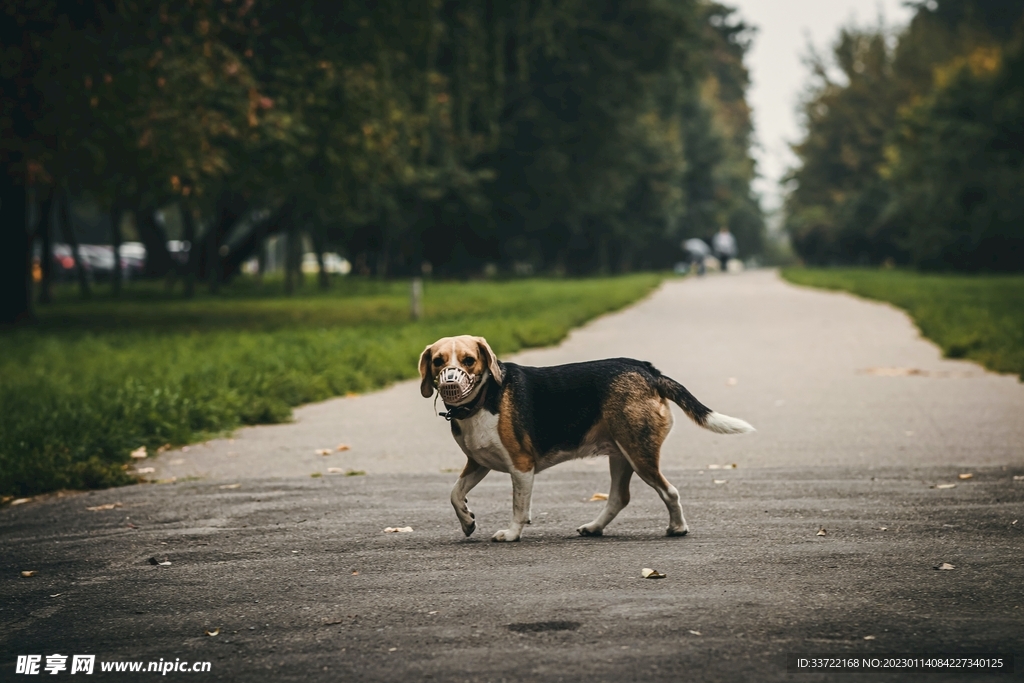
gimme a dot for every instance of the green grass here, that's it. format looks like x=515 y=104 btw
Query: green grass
x=96 y=379
x=979 y=317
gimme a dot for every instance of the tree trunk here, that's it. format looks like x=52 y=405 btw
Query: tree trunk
x=115 y=239
x=323 y=279
x=213 y=257
x=45 y=232
x=15 y=254
x=290 y=247
x=261 y=259
x=188 y=222
x=255 y=242
x=68 y=231
x=158 y=260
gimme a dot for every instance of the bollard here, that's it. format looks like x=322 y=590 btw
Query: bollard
x=417 y=298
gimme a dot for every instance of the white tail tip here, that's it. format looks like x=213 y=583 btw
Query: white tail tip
x=723 y=424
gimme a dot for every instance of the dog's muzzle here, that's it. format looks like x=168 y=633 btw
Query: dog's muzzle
x=454 y=384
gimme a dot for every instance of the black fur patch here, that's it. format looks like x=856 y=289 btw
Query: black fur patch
x=557 y=405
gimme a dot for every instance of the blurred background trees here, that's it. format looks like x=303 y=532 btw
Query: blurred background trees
x=576 y=136
x=914 y=146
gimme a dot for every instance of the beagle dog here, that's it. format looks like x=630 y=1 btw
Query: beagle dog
x=522 y=420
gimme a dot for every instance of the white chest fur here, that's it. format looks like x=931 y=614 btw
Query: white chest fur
x=479 y=440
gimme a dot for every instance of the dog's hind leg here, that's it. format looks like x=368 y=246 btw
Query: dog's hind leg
x=645 y=462
x=471 y=475
x=639 y=421
x=618 y=495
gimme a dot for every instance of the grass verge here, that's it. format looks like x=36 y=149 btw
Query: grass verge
x=94 y=380
x=979 y=317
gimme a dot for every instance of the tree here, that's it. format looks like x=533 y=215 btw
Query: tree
x=910 y=156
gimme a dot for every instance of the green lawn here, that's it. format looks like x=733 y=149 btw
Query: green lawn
x=96 y=379
x=980 y=317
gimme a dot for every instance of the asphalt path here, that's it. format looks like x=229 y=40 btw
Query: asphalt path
x=823 y=539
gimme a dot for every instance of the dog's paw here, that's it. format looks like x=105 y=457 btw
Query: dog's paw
x=677 y=532
x=587 y=530
x=469 y=529
x=505 y=536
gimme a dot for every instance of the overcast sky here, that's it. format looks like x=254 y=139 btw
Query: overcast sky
x=779 y=75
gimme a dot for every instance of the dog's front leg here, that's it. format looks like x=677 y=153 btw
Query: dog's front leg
x=522 y=492
x=471 y=475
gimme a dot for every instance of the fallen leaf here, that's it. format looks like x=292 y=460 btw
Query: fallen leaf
x=28 y=574
x=107 y=506
x=696 y=633
x=869 y=637
x=334 y=622
x=945 y=565
x=164 y=448
x=324 y=451
x=720 y=481
x=649 y=573
x=132 y=526
x=965 y=475
x=730 y=466
x=334 y=470
x=159 y=563
x=355 y=573
x=145 y=470
x=56 y=595
x=1016 y=477
x=214 y=632
x=398 y=530
x=883 y=528
x=599 y=496
x=945 y=486
x=139 y=452
x=316 y=475
x=821 y=532
x=21 y=501
x=392 y=649
x=355 y=473
x=229 y=486
x=432 y=613
x=343 y=447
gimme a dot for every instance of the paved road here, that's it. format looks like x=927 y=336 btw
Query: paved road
x=848 y=441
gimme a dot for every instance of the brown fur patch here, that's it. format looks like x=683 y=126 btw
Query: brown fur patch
x=472 y=354
x=521 y=451
x=639 y=419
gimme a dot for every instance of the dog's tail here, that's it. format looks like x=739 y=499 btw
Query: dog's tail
x=697 y=411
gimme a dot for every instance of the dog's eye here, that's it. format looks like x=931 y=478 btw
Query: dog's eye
x=468 y=362
x=438 y=362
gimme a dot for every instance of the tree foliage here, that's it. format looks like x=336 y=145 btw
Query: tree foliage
x=913 y=150
x=560 y=135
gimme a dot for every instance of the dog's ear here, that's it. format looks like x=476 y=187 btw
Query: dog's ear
x=489 y=359
x=426 y=381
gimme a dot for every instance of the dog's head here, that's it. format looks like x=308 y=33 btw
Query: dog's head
x=461 y=362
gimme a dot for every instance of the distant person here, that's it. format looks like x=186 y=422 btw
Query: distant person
x=725 y=246
x=697 y=250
